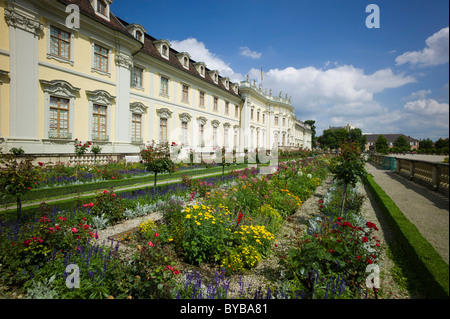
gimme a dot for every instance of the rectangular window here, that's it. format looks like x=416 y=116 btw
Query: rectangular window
x=101 y=56
x=163 y=130
x=136 y=127
x=101 y=7
x=251 y=115
x=201 y=136
x=257 y=116
x=264 y=118
x=284 y=122
x=276 y=120
x=185 y=93
x=214 y=137
x=216 y=104
x=227 y=108
x=137 y=77
x=60 y=43
x=164 y=89
x=59 y=118
x=202 y=99
x=236 y=111
x=184 y=129
x=225 y=137
x=99 y=123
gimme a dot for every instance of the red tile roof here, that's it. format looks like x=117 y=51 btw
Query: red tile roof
x=149 y=48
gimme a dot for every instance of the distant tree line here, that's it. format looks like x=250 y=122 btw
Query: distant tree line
x=401 y=145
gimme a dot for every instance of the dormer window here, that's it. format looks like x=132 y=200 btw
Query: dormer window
x=184 y=57
x=236 y=88
x=163 y=47
x=137 y=31
x=102 y=8
x=226 y=82
x=215 y=76
x=200 y=67
x=139 y=35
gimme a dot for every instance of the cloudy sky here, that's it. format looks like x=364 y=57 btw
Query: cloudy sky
x=391 y=79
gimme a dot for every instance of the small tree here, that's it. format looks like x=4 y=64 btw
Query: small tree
x=381 y=145
x=402 y=144
x=350 y=168
x=156 y=158
x=16 y=177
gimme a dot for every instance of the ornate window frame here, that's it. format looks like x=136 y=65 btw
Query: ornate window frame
x=141 y=109
x=103 y=98
x=60 y=89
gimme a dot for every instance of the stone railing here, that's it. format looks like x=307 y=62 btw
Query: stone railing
x=87 y=159
x=434 y=175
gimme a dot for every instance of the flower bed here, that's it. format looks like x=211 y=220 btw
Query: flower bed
x=231 y=224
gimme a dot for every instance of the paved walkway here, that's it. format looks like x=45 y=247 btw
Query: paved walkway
x=426 y=209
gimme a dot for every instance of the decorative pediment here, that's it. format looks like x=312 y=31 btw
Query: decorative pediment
x=100 y=97
x=60 y=88
x=215 y=123
x=138 y=108
x=164 y=113
x=226 y=125
x=226 y=82
x=185 y=117
x=202 y=120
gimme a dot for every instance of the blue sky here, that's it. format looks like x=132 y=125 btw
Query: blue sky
x=392 y=79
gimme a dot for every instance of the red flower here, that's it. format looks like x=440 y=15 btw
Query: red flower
x=365 y=239
x=239 y=218
x=74 y=230
x=331 y=251
x=156 y=234
x=41 y=164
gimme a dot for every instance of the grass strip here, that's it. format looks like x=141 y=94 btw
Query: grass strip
x=428 y=264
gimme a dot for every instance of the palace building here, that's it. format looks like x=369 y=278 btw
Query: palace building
x=109 y=82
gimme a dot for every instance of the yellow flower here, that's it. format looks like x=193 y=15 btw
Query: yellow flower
x=188 y=216
x=187 y=209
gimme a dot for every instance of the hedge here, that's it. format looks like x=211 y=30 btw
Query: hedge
x=429 y=265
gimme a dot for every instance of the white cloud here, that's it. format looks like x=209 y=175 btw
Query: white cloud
x=342 y=85
x=245 y=51
x=427 y=107
x=198 y=52
x=435 y=53
x=418 y=95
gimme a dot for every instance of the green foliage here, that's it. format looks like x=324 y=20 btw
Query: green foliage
x=17 y=177
x=109 y=204
x=351 y=165
x=80 y=147
x=381 y=145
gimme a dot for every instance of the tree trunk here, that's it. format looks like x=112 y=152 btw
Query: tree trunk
x=19 y=208
x=344 y=195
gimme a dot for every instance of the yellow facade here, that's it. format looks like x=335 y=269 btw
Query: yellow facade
x=103 y=83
